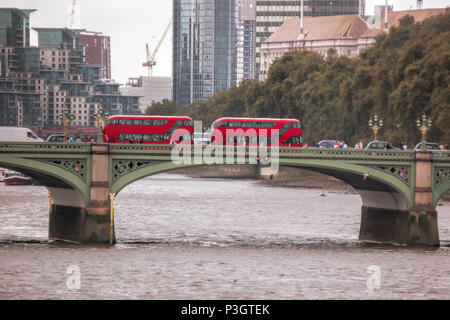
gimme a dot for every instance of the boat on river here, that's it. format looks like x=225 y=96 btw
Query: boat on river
x=14 y=178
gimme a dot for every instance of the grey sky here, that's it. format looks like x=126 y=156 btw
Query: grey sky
x=131 y=23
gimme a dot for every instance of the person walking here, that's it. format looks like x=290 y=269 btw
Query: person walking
x=359 y=145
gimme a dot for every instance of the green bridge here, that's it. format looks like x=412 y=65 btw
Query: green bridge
x=399 y=189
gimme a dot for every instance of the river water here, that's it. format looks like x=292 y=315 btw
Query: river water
x=186 y=238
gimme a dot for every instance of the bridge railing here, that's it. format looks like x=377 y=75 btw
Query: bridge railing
x=441 y=156
x=167 y=150
x=43 y=147
x=282 y=152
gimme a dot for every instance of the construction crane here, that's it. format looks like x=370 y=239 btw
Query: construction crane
x=72 y=14
x=151 y=58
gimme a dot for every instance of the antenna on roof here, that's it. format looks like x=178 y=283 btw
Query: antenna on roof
x=385 y=15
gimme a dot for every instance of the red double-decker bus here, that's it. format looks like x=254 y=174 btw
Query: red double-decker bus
x=148 y=129
x=257 y=131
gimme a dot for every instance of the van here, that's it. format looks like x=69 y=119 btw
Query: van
x=18 y=134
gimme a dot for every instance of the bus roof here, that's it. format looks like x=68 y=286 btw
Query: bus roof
x=256 y=119
x=148 y=117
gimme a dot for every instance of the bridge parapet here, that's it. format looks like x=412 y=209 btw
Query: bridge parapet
x=283 y=152
x=27 y=147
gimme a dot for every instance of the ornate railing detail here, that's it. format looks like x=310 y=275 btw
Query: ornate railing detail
x=401 y=172
x=75 y=166
x=123 y=167
x=441 y=174
x=441 y=156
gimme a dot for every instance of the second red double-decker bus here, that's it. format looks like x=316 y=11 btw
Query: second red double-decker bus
x=257 y=131
x=148 y=129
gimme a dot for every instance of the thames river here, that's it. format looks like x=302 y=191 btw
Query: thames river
x=197 y=238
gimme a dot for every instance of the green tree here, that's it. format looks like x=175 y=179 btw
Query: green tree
x=163 y=108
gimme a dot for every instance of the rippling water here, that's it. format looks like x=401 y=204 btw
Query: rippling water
x=184 y=238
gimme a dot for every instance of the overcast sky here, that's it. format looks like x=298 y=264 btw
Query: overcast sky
x=131 y=23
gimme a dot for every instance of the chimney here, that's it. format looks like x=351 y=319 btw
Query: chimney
x=301 y=18
x=385 y=16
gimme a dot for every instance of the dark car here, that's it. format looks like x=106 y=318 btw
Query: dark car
x=380 y=145
x=429 y=146
x=329 y=143
x=326 y=144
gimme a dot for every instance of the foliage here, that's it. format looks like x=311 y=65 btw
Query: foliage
x=404 y=74
x=163 y=108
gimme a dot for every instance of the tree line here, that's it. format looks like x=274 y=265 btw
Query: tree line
x=403 y=75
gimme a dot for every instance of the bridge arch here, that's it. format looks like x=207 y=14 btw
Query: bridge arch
x=373 y=185
x=65 y=188
x=377 y=188
x=440 y=191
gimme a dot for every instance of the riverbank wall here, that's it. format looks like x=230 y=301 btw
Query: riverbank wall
x=286 y=176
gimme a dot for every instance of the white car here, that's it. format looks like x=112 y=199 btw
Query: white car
x=55 y=138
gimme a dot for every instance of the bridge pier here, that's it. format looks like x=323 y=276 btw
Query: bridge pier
x=71 y=220
x=417 y=226
x=414 y=227
x=86 y=225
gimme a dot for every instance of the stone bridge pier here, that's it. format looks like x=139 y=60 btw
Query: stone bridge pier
x=70 y=219
x=416 y=226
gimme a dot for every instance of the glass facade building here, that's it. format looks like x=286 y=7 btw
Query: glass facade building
x=246 y=40
x=15 y=27
x=204 y=48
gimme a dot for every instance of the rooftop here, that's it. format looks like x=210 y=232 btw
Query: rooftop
x=73 y=33
x=326 y=27
x=22 y=12
x=418 y=15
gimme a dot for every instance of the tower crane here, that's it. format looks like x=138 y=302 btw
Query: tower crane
x=151 y=58
x=72 y=14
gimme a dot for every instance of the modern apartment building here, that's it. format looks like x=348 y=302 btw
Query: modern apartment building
x=15 y=27
x=204 y=48
x=38 y=84
x=271 y=14
x=97 y=50
x=246 y=40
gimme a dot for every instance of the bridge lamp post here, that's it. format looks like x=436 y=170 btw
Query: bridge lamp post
x=66 y=117
x=375 y=124
x=424 y=125
x=100 y=118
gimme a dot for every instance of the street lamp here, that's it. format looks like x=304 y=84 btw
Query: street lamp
x=66 y=117
x=424 y=125
x=375 y=124
x=100 y=118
